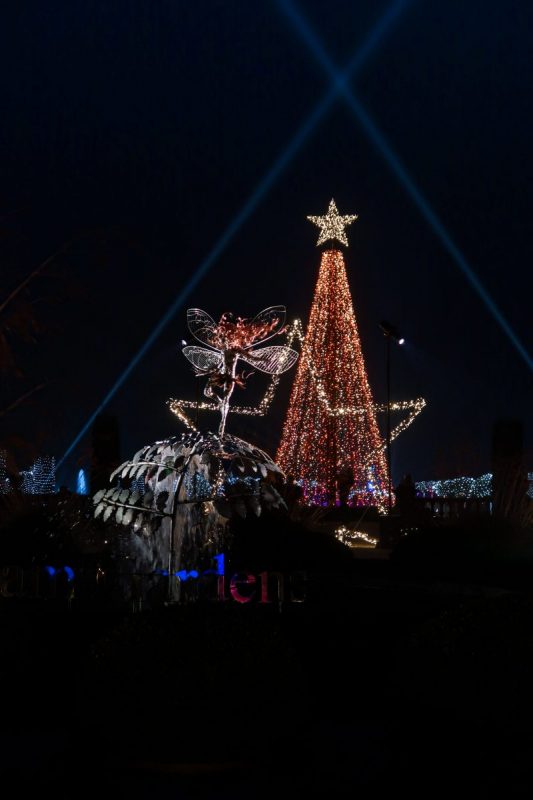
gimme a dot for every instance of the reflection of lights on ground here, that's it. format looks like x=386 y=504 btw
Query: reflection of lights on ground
x=354 y=538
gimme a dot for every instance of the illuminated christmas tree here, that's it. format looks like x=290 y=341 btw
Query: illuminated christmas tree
x=331 y=442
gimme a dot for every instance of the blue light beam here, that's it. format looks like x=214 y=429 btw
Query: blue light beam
x=381 y=144
x=338 y=84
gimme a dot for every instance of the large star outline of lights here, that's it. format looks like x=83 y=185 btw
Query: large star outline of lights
x=295 y=332
x=332 y=225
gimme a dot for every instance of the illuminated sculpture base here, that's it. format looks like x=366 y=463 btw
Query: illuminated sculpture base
x=177 y=496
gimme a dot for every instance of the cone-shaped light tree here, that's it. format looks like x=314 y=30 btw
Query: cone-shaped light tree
x=331 y=441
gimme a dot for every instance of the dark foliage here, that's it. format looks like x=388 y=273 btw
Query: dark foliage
x=273 y=541
x=48 y=529
x=482 y=550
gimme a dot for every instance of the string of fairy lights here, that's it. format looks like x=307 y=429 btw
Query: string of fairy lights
x=295 y=333
x=178 y=406
x=414 y=406
x=354 y=538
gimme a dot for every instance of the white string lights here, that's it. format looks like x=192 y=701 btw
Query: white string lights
x=354 y=538
x=294 y=333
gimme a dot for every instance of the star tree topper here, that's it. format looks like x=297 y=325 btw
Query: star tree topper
x=332 y=225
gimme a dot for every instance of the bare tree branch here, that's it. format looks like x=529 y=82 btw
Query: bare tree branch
x=18 y=289
x=21 y=399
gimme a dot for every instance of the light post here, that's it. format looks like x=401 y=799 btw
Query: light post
x=390 y=332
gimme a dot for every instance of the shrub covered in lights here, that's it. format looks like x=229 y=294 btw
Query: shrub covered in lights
x=58 y=529
x=457 y=487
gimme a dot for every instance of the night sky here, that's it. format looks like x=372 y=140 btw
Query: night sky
x=135 y=132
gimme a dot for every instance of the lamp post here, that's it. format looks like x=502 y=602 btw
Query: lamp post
x=390 y=332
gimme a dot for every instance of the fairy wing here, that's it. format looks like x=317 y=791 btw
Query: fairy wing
x=273 y=360
x=267 y=317
x=203 y=360
x=201 y=325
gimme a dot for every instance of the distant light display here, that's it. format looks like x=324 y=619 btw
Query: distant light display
x=44 y=475
x=26 y=484
x=41 y=478
x=81 y=483
x=5 y=483
x=457 y=487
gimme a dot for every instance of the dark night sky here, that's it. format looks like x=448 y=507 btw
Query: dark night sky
x=137 y=130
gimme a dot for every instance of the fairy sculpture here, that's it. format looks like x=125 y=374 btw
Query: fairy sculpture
x=229 y=340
